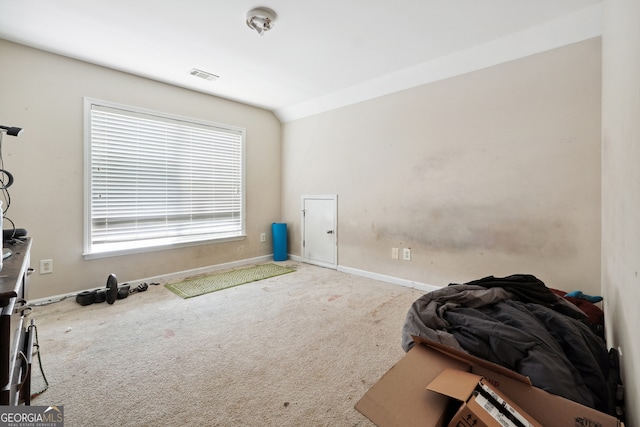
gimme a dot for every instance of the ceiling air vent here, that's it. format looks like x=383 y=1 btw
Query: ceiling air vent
x=203 y=74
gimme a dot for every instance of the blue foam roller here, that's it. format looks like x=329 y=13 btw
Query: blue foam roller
x=279 y=231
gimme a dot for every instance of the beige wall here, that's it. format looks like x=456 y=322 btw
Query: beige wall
x=621 y=190
x=43 y=93
x=490 y=173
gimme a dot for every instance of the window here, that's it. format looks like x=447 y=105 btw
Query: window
x=155 y=180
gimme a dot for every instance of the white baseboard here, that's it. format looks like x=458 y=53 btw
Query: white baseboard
x=161 y=279
x=181 y=275
x=380 y=277
x=185 y=274
x=388 y=279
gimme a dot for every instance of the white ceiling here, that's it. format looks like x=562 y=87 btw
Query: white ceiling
x=321 y=54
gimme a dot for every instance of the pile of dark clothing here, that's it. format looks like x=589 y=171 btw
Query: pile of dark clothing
x=519 y=323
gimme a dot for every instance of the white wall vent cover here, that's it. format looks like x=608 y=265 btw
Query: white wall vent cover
x=203 y=74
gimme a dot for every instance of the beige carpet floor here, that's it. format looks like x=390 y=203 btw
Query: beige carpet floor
x=293 y=350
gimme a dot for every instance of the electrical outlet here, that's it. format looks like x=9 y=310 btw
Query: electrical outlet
x=406 y=254
x=46 y=266
x=394 y=253
x=263 y=237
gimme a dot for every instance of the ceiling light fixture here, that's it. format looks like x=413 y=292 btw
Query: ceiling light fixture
x=261 y=19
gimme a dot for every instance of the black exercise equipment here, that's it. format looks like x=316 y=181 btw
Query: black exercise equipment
x=112 y=288
x=86 y=297
x=123 y=292
x=110 y=293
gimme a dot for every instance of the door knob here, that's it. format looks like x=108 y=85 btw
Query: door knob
x=329 y=231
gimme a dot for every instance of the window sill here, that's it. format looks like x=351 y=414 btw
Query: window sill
x=121 y=252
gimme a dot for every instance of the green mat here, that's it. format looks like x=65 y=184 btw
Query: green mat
x=215 y=282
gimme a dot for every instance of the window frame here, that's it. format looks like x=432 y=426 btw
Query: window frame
x=88 y=251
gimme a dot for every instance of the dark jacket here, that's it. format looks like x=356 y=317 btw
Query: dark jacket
x=537 y=334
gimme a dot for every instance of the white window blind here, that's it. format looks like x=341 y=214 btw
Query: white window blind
x=160 y=180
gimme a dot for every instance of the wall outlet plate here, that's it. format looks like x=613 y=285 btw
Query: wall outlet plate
x=46 y=266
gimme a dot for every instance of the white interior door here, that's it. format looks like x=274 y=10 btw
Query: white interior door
x=319 y=230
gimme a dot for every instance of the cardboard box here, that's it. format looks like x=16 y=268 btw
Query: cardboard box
x=480 y=404
x=400 y=397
